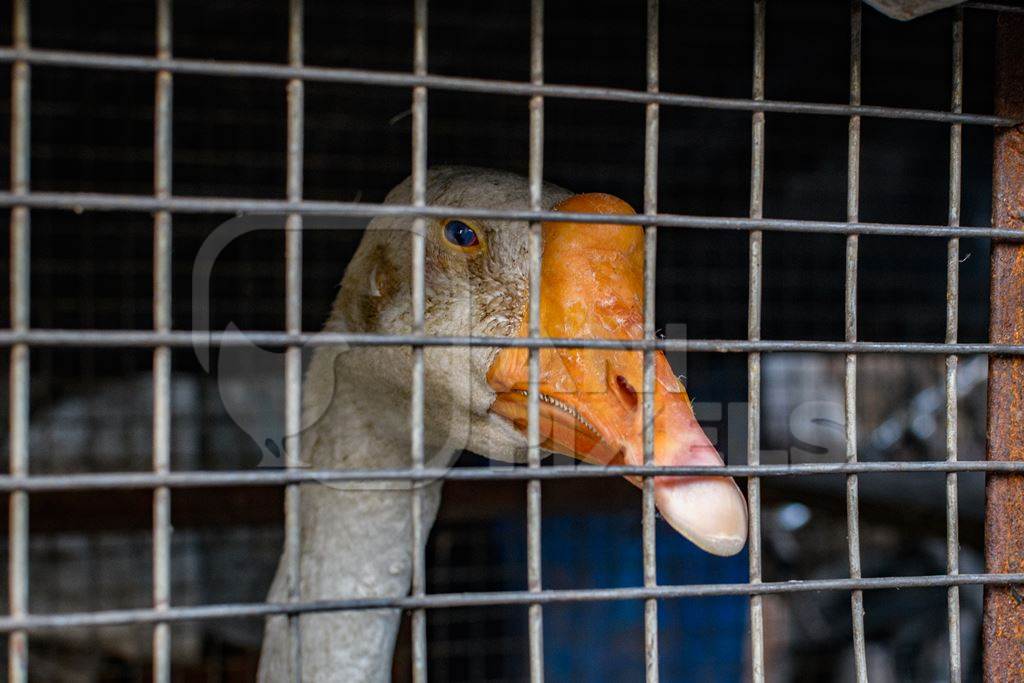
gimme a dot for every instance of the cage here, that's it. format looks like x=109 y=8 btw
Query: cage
x=832 y=201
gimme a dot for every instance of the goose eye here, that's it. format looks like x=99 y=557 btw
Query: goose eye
x=460 y=234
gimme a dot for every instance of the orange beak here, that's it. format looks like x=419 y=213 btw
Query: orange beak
x=591 y=400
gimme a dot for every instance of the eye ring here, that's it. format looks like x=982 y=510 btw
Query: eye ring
x=461 y=235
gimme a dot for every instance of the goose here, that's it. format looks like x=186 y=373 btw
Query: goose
x=356 y=540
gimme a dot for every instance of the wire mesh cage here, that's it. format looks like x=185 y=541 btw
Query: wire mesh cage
x=814 y=185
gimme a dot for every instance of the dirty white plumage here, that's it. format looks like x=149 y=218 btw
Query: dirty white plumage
x=356 y=540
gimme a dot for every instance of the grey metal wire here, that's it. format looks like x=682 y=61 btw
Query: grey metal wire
x=756 y=239
x=181 y=338
x=40 y=622
x=419 y=199
x=649 y=521
x=994 y=7
x=217 y=478
x=84 y=201
x=533 y=487
x=293 y=323
x=952 y=323
x=850 y=379
x=17 y=573
x=162 y=268
x=92 y=60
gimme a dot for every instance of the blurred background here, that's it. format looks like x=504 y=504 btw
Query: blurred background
x=90 y=409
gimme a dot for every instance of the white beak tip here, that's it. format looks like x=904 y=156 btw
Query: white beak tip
x=723 y=546
x=709 y=511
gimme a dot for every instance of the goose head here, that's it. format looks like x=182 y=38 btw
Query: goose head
x=476 y=281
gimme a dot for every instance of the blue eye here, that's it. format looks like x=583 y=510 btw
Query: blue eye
x=460 y=234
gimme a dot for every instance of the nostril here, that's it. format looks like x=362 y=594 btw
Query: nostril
x=626 y=391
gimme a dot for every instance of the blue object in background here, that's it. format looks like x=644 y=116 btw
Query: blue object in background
x=700 y=639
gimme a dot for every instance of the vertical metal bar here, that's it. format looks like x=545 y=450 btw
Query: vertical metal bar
x=1003 y=621
x=17 y=588
x=952 y=323
x=293 y=324
x=533 y=500
x=419 y=198
x=850 y=384
x=162 y=150
x=651 y=131
x=754 y=359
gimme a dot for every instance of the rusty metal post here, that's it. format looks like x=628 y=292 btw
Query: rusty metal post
x=1004 y=494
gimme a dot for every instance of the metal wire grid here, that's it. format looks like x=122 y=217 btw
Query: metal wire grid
x=293 y=323
x=162 y=268
x=647 y=409
x=162 y=339
x=419 y=245
x=754 y=358
x=17 y=539
x=952 y=325
x=850 y=378
x=533 y=498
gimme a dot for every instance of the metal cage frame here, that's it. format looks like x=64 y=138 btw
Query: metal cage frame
x=1006 y=346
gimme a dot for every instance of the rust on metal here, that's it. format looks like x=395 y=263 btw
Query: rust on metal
x=1004 y=494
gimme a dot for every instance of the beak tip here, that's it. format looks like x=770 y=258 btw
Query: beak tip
x=724 y=546
x=709 y=511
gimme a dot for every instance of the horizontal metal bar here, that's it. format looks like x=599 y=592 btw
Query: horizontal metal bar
x=202 y=67
x=994 y=7
x=184 y=339
x=42 y=622
x=79 y=202
x=268 y=477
